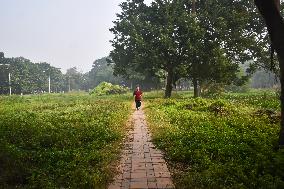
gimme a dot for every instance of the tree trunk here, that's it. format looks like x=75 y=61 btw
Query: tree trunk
x=195 y=88
x=281 y=134
x=277 y=3
x=193 y=7
x=275 y=26
x=169 y=86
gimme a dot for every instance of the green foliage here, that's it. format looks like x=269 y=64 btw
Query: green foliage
x=220 y=143
x=212 y=89
x=105 y=88
x=59 y=141
x=102 y=71
x=28 y=77
x=75 y=80
x=205 y=44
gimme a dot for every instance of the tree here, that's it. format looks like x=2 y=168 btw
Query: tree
x=264 y=79
x=74 y=79
x=28 y=77
x=231 y=37
x=146 y=40
x=270 y=10
x=4 y=71
x=102 y=71
x=134 y=55
x=202 y=45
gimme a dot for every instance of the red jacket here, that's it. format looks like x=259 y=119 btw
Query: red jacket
x=137 y=94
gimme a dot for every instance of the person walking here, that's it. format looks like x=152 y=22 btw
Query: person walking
x=138 y=97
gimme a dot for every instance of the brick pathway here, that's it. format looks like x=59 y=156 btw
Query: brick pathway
x=142 y=165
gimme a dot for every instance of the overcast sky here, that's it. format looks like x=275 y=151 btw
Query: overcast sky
x=64 y=33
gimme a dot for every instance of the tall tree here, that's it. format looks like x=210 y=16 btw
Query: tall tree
x=27 y=77
x=4 y=71
x=270 y=10
x=183 y=41
x=74 y=79
x=232 y=36
x=146 y=39
x=102 y=71
x=133 y=57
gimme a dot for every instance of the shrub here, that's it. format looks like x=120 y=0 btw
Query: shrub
x=212 y=89
x=106 y=88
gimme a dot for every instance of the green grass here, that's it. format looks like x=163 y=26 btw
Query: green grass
x=225 y=142
x=60 y=141
x=72 y=140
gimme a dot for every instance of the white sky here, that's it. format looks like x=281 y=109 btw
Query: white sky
x=64 y=33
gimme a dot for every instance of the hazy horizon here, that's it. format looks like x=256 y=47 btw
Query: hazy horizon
x=64 y=33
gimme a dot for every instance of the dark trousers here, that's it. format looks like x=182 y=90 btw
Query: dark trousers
x=138 y=103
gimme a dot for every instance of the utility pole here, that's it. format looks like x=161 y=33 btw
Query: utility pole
x=48 y=83
x=10 y=88
x=69 y=84
x=44 y=71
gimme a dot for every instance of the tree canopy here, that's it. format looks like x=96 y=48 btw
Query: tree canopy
x=27 y=77
x=205 y=41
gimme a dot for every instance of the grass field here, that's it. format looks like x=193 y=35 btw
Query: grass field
x=224 y=142
x=60 y=141
x=72 y=140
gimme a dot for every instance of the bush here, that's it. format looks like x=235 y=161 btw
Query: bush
x=106 y=88
x=212 y=89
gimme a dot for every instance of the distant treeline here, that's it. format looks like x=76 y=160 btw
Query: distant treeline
x=264 y=79
x=27 y=77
